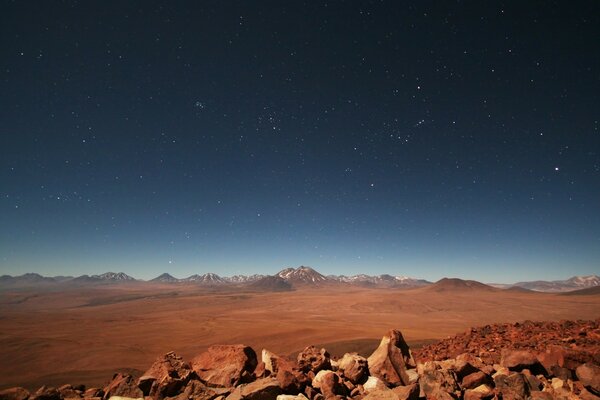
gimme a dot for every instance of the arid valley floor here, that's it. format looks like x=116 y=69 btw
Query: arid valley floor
x=83 y=335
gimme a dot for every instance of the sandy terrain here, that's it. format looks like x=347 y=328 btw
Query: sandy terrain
x=79 y=335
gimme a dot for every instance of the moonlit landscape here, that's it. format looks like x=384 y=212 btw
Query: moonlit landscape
x=180 y=175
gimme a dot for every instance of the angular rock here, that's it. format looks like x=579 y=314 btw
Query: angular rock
x=313 y=359
x=391 y=359
x=439 y=383
x=373 y=383
x=541 y=396
x=166 y=377
x=69 y=392
x=381 y=394
x=475 y=379
x=14 y=393
x=589 y=375
x=586 y=395
x=93 y=392
x=46 y=393
x=329 y=383
x=512 y=386
x=198 y=391
x=292 y=397
x=261 y=389
x=410 y=392
x=354 y=367
x=225 y=365
x=517 y=360
x=479 y=393
x=123 y=385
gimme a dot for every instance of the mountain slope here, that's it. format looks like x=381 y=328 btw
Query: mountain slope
x=573 y=283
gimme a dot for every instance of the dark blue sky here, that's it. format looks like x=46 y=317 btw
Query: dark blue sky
x=426 y=139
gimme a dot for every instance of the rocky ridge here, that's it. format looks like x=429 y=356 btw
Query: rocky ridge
x=529 y=360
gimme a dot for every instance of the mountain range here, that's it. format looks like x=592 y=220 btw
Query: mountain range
x=303 y=276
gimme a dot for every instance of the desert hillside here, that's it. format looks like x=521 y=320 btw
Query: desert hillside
x=83 y=334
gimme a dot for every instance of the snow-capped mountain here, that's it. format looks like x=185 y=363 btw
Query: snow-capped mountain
x=379 y=280
x=573 y=283
x=205 y=279
x=165 y=278
x=114 y=276
x=302 y=275
x=243 y=278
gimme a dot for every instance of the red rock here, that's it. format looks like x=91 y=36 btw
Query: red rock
x=14 y=393
x=479 y=393
x=225 y=365
x=166 y=377
x=354 y=367
x=329 y=383
x=69 y=392
x=475 y=379
x=196 y=390
x=313 y=359
x=261 y=389
x=122 y=385
x=391 y=359
x=517 y=360
x=439 y=384
x=93 y=392
x=512 y=386
x=589 y=375
x=410 y=392
x=586 y=395
x=46 y=393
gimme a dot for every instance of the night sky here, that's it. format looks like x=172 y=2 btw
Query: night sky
x=429 y=139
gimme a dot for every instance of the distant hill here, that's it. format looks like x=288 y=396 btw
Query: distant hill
x=456 y=284
x=573 y=283
x=583 y=292
x=272 y=283
x=302 y=275
x=165 y=278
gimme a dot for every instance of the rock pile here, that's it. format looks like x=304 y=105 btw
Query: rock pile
x=542 y=361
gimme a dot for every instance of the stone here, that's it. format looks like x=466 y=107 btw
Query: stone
x=123 y=385
x=198 y=391
x=14 y=393
x=541 y=396
x=589 y=375
x=479 y=393
x=439 y=383
x=354 y=367
x=93 y=392
x=261 y=389
x=46 y=393
x=225 y=365
x=474 y=379
x=313 y=359
x=292 y=397
x=381 y=394
x=166 y=377
x=517 y=360
x=329 y=383
x=69 y=392
x=373 y=383
x=391 y=359
x=587 y=395
x=409 y=392
x=512 y=386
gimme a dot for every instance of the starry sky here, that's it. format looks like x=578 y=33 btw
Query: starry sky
x=422 y=138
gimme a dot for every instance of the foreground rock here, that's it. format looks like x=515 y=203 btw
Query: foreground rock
x=225 y=366
x=391 y=360
x=521 y=369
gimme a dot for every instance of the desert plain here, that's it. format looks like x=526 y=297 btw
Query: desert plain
x=82 y=335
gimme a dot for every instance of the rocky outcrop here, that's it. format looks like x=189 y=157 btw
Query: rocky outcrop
x=521 y=369
x=225 y=366
x=391 y=360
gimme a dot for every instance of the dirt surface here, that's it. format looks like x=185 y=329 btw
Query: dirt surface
x=83 y=335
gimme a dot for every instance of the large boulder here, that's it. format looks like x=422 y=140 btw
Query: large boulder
x=439 y=384
x=123 y=385
x=391 y=359
x=329 y=383
x=166 y=377
x=589 y=375
x=261 y=389
x=198 y=391
x=69 y=392
x=225 y=365
x=313 y=359
x=410 y=392
x=518 y=360
x=14 y=393
x=513 y=386
x=475 y=379
x=354 y=367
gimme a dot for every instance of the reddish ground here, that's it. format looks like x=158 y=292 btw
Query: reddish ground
x=84 y=335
